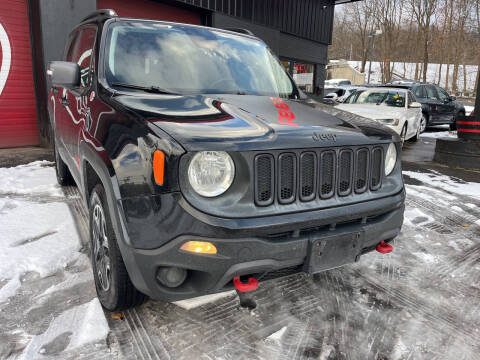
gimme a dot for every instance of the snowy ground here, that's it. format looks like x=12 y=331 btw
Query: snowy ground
x=47 y=301
x=432 y=73
x=420 y=302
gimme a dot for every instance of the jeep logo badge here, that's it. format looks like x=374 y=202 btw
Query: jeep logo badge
x=318 y=136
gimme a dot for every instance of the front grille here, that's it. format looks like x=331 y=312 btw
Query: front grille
x=312 y=174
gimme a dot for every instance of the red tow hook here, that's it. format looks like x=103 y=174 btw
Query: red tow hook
x=384 y=248
x=251 y=285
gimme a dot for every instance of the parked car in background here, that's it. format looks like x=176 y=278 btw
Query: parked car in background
x=438 y=107
x=337 y=82
x=339 y=94
x=393 y=107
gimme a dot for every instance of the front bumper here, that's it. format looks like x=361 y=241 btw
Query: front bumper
x=266 y=247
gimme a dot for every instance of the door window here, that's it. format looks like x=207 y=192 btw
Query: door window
x=443 y=96
x=83 y=54
x=419 y=92
x=431 y=93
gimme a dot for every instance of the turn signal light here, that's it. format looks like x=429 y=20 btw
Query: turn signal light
x=199 y=247
x=159 y=166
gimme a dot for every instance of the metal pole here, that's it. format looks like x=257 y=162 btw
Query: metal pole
x=372 y=44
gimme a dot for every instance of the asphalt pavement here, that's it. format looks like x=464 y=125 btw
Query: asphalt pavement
x=420 y=302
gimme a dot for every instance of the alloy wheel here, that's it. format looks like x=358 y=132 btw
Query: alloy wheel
x=101 y=254
x=423 y=124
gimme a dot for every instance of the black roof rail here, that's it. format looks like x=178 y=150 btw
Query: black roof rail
x=241 y=31
x=100 y=13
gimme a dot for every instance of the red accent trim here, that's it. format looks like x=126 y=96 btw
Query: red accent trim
x=384 y=248
x=469 y=130
x=469 y=122
x=252 y=284
x=285 y=115
x=78 y=161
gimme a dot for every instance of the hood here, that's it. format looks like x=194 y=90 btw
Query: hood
x=372 y=111
x=245 y=122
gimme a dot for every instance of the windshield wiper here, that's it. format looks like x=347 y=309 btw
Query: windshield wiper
x=149 y=89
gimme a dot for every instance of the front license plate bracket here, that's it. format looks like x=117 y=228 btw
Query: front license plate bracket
x=333 y=251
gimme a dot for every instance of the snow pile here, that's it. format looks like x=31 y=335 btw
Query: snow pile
x=35 y=238
x=73 y=328
x=469 y=109
x=439 y=134
x=450 y=184
x=36 y=178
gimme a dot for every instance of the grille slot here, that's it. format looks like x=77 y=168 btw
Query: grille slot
x=264 y=179
x=308 y=176
x=377 y=169
x=361 y=170
x=345 y=172
x=327 y=174
x=287 y=174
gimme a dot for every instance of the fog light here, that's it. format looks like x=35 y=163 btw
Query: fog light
x=199 y=247
x=171 y=276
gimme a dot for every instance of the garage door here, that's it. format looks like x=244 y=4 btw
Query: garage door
x=148 y=9
x=18 y=118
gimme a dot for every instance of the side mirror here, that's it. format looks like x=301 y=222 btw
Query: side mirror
x=453 y=98
x=64 y=74
x=415 y=105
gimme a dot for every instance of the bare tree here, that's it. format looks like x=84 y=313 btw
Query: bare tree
x=424 y=11
x=360 y=16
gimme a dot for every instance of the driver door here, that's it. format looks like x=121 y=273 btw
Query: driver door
x=446 y=107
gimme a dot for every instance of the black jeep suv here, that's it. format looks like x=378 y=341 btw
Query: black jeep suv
x=201 y=161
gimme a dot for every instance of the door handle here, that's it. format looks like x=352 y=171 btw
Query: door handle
x=64 y=101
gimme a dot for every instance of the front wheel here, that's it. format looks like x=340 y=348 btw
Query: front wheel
x=403 y=134
x=417 y=135
x=114 y=287
x=423 y=123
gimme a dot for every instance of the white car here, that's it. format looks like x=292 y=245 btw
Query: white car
x=393 y=107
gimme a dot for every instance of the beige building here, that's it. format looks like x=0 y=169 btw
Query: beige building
x=340 y=69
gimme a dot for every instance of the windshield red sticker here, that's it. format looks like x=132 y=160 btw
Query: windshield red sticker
x=285 y=114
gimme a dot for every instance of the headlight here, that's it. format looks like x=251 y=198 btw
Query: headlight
x=390 y=159
x=390 y=121
x=211 y=173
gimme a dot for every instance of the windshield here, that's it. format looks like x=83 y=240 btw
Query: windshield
x=193 y=60
x=378 y=97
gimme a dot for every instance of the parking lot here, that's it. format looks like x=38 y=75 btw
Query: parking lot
x=421 y=301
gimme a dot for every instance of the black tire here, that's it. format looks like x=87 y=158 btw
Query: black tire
x=453 y=126
x=403 y=133
x=114 y=287
x=417 y=135
x=424 y=123
x=64 y=177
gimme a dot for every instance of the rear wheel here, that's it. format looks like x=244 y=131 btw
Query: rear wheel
x=114 y=287
x=453 y=126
